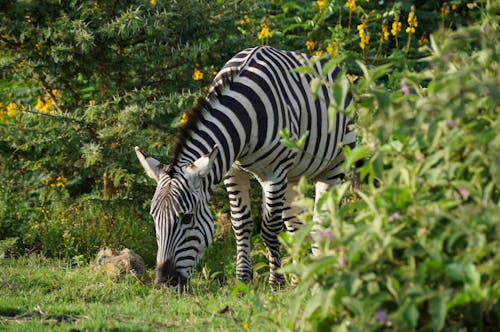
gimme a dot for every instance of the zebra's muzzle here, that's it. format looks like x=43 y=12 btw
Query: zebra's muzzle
x=166 y=274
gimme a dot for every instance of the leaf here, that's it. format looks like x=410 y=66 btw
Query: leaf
x=465 y=272
x=304 y=70
x=315 y=303
x=315 y=86
x=365 y=71
x=354 y=305
x=356 y=154
x=332 y=63
x=472 y=275
x=340 y=89
x=393 y=146
x=381 y=71
x=393 y=286
x=410 y=315
x=431 y=161
x=319 y=266
x=438 y=307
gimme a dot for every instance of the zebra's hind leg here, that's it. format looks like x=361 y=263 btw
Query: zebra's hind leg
x=272 y=224
x=237 y=184
x=290 y=213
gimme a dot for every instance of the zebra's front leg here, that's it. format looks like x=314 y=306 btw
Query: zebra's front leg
x=237 y=184
x=272 y=224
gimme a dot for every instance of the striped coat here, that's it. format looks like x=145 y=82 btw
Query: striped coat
x=234 y=133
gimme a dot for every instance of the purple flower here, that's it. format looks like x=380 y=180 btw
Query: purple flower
x=393 y=216
x=381 y=318
x=405 y=88
x=464 y=193
x=328 y=235
x=451 y=124
x=485 y=29
x=342 y=261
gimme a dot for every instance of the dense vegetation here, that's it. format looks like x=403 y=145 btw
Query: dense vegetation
x=415 y=247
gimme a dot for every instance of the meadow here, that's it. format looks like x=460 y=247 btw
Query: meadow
x=40 y=293
x=412 y=238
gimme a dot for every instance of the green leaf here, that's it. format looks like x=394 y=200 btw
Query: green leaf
x=358 y=153
x=354 y=305
x=438 y=307
x=472 y=275
x=332 y=63
x=316 y=84
x=410 y=315
x=304 y=70
x=393 y=286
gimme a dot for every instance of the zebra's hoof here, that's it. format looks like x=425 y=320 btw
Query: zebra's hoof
x=277 y=282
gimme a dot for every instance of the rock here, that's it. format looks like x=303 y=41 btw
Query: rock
x=117 y=262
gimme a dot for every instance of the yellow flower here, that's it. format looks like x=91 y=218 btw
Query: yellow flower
x=351 y=4
x=310 y=45
x=264 y=32
x=92 y=102
x=27 y=18
x=56 y=94
x=153 y=2
x=11 y=109
x=412 y=21
x=364 y=37
x=330 y=49
x=454 y=6
x=184 y=118
x=246 y=326
x=385 y=32
x=197 y=75
x=21 y=64
x=319 y=53
x=423 y=40
x=245 y=20
x=44 y=106
x=321 y=3
x=396 y=27
x=445 y=9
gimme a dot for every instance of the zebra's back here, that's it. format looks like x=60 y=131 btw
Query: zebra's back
x=271 y=97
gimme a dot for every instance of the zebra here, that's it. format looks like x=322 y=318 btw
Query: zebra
x=232 y=134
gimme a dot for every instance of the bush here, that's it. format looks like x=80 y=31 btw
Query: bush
x=81 y=84
x=418 y=250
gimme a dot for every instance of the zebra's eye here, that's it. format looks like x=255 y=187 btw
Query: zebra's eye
x=186 y=218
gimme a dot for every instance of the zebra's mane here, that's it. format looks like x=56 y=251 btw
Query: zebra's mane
x=204 y=104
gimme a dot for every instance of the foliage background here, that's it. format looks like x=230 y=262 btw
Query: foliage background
x=83 y=82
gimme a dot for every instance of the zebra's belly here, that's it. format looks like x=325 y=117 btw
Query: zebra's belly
x=276 y=158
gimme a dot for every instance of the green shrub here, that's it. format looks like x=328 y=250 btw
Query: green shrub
x=418 y=250
x=81 y=84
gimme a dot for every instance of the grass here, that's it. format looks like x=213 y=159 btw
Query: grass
x=39 y=293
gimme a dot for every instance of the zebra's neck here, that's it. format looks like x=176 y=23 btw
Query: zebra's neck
x=216 y=124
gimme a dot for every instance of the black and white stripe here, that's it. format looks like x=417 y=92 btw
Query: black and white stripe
x=232 y=134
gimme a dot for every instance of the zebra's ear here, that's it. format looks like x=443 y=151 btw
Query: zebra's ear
x=152 y=166
x=203 y=165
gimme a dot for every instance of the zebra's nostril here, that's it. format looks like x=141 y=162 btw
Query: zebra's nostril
x=166 y=273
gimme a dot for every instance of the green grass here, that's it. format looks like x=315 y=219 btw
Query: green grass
x=38 y=293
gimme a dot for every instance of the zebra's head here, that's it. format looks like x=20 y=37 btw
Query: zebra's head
x=183 y=222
